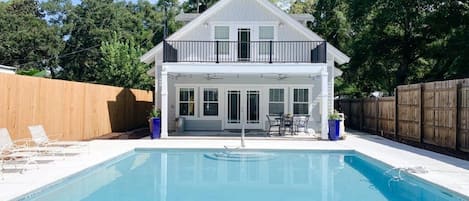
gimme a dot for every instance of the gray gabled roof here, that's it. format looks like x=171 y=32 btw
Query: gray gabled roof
x=187 y=17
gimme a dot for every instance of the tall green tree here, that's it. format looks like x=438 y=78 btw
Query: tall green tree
x=332 y=24
x=389 y=45
x=87 y=25
x=449 y=45
x=120 y=64
x=26 y=40
x=303 y=6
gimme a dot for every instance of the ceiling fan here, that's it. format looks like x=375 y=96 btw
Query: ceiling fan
x=213 y=77
x=277 y=77
x=179 y=75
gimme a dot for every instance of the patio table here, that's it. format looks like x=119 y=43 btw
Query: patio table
x=286 y=121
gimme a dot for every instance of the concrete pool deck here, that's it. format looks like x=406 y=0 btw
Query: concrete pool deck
x=446 y=171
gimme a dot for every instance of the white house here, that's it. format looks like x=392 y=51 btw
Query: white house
x=7 y=69
x=239 y=61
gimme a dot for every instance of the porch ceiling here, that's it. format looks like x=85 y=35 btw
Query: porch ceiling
x=258 y=77
x=237 y=69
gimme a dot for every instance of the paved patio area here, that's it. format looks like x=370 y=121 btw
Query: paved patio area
x=452 y=173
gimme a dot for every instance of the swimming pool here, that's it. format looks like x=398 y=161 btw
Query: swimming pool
x=215 y=175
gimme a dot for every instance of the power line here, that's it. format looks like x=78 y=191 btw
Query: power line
x=61 y=56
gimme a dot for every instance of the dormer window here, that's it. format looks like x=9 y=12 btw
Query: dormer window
x=266 y=34
x=222 y=34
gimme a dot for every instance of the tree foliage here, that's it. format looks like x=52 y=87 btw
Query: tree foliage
x=93 y=22
x=449 y=44
x=389 y=42
x=393 y=42
x=26 y=40
x=121 y=65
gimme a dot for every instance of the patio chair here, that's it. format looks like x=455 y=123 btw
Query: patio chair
x=13 y=151
x=300 y=122
x=41 y=139
x=273 y=122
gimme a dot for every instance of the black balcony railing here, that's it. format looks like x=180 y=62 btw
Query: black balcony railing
x=248 y=52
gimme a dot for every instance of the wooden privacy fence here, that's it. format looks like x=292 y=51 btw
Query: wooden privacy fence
x=435 y=113
x=69 y=110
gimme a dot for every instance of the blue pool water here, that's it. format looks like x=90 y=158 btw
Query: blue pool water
x=216 y=175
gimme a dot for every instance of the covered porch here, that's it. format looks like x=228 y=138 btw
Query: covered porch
x=222 y=99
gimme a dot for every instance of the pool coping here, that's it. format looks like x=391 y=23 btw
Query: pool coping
x=105 y=151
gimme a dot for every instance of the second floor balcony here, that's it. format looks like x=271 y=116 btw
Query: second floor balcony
x=244 y=51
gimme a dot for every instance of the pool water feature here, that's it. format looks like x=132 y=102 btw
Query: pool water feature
x=240 y=155
x=174 y=175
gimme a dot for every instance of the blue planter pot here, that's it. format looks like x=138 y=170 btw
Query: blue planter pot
x=334 y=129
x=156 y=124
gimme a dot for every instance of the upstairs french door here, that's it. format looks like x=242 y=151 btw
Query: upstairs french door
x=244 y=44
x=243 y=108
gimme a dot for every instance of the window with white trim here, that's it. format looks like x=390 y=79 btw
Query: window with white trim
x=266 y=34
x=276 y=101
x=300 y=101
x=186 y=102
x=222 y=34
x=210 y=102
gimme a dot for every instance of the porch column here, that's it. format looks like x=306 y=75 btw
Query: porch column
x=157 y=85
x=324 y=103
x=164 y=104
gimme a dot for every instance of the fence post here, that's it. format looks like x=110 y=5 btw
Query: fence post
x=458 y=114
x=396 y=115
x=377 y=116
x=421 y=112
x=362 y=112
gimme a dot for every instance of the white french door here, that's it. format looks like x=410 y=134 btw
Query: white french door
x=243 y=108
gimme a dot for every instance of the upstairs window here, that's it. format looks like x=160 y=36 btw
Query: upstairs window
x=222 y=34
x=266 y=34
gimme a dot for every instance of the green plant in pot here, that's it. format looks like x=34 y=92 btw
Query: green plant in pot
x=155 y=122
x=334 y=125
x=334 y=116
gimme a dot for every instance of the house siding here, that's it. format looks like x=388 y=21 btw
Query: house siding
x=247 y=11
x=244 y=10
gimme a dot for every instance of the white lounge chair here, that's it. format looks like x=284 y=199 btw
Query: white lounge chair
x=13 y=151
x=40 y=138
